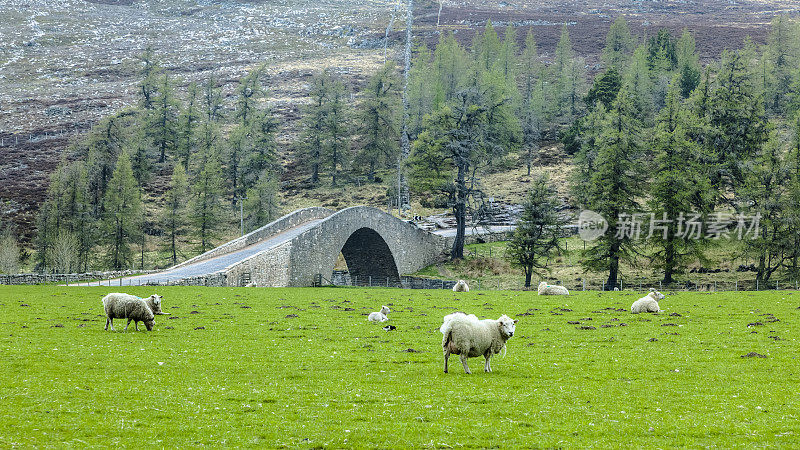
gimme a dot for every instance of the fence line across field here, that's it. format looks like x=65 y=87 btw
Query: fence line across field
x=409 y=282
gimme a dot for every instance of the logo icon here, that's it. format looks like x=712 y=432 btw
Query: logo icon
x=591 y=225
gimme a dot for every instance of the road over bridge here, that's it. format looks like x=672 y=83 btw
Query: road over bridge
x=295 y=249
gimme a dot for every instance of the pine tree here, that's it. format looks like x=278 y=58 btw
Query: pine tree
x=262 y=203
x=451 y=69
x=378 y=122
x=568 y=80
x=123 y=214
x=688 y=64
x=420 y=90
x=173 y=219
x=737 y=119
x=782 y=62
x=212 y=101
x=638 y=83
x=605 y=88
x=161 y=120
x=149 y=73
x=532 y=107
x=187 y=125
x=679 y=189
x=616 y=187
x=619 y=45
x=248 y=94
x=312 y=137
x=763 y=194
x=205 y=207
x=336 y=127
x=535 y=239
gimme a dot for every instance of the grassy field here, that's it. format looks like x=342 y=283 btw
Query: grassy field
x=303 y=368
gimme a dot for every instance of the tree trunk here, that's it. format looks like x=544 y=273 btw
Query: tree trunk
x=528 y=273
x=669 y=261
x=613 y=270
x=460 y=211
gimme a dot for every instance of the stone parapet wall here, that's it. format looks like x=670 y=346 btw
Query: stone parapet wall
x=64 y=278
x=284 y=223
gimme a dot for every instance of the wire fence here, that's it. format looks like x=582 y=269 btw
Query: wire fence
x=404 y=282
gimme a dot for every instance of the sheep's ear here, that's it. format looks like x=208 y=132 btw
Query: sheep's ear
x=515 y=321
x=652 y=289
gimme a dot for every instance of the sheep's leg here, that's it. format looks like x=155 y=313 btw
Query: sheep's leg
x=126 y=325
x=487 y=367
x=109 y=321
x=446 y=358
x=464 y=362
x=136 y=323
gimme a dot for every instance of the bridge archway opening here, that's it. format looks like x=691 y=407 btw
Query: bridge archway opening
x=368 y=257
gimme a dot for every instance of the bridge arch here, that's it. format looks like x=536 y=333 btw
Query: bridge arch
x=368 y=256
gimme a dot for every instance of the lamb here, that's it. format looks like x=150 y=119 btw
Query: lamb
x=648 y=303
x=467 y=336
x=126 y=306
x=379 y=316
x=461 y=286
x=551 y=289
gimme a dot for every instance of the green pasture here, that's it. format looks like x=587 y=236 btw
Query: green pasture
x=256 y=367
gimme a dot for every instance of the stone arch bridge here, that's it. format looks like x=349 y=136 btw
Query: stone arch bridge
x=295 y=249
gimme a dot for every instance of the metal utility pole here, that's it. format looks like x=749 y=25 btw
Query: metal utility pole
x=405 y=145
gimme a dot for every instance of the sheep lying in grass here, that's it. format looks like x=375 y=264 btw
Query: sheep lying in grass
x=125 y=306
x=648 y=303
x=461 y=286
x=551 y=289
x=380 y=316
x=467 y=336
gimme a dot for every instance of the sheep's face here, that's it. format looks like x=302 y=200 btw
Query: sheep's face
x=507 y=325
x=149 y=324
x=157 y=300
x=542 y=284
x=385 y=310
x=657 y=295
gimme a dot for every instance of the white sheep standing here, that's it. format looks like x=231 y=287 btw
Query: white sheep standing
x=125 y=306
x=154 y=302
x=552 y=289
x=380 y=316
x=648 y=303
x=467 y=336
x=461 y=286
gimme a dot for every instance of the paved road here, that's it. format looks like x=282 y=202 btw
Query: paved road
x=451 y=232
x=208 y=266
x=219 y=263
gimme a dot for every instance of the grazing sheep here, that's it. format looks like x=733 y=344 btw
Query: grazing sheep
x=461 y=286
x=380 y=316
x=467 y=336
x=125 y=306
x=551 y=289
x=648 y=303
x=616 y=289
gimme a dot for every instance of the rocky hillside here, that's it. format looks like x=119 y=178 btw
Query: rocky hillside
x=65 y=64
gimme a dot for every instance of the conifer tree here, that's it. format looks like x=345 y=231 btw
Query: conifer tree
x=535 y=239
x=532 y=107
x=173 y=219
x=619 y=45
x=123 y=214
x=187 y=125
x=378 y=122
x=205 y=206
x=616 y=187
x=161 y=120
x=262 y=203
x=312 y=137
x=336 y=128
x=678 y=191
x=688 y=65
